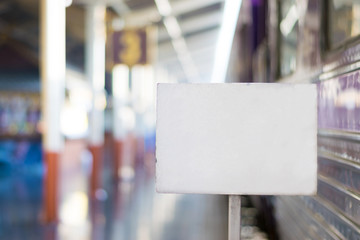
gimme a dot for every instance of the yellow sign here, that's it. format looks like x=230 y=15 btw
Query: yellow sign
x=130 y=47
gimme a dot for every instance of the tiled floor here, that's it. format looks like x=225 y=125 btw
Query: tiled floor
x=126 y=210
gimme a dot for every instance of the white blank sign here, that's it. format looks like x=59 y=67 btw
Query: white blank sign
x=237 y=139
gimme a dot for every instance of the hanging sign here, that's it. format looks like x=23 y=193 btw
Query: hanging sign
x=130 y=47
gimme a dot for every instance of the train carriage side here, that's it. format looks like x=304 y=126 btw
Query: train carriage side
x=319 y=42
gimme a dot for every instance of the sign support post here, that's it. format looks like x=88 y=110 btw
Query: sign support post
x=234 y=221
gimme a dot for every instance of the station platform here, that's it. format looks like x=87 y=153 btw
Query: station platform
x=125 y=209
x=128 y=208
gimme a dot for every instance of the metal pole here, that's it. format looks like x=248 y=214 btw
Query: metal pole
x=234 y=230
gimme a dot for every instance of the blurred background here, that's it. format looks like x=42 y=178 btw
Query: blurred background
x=77 y=115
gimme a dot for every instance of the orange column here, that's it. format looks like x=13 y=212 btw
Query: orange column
x=51 y=186
x=52 y=93
x=95 y=71
x=97 y=152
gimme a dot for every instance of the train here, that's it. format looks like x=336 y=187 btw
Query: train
x=315 y=42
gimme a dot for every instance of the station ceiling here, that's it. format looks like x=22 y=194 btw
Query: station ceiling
x=199 y=23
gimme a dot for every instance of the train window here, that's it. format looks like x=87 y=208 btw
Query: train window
x=288 y=36
x=343 y=21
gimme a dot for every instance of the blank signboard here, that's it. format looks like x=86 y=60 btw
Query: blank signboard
x=237 y=139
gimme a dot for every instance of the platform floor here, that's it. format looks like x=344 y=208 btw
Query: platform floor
x=128 y=209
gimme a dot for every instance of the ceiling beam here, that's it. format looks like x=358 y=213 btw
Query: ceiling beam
x=148 y=15
x=195 y=40
x=191 y=26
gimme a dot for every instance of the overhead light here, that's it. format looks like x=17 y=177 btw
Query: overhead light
x=180 y=46
x=173 y=27
x=189 y=66
x=163 y=7
x=225 y=40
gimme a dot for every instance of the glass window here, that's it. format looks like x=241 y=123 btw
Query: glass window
x=343 y=21
x=288 y=36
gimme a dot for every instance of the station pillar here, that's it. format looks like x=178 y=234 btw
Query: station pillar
x=142 y=91
x=52 y=66
x=95 y=72
x=120 y=90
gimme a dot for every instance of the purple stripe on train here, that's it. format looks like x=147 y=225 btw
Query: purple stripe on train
x=339 y=103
